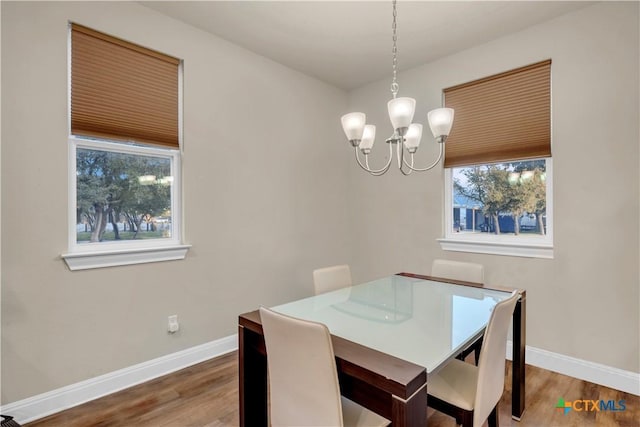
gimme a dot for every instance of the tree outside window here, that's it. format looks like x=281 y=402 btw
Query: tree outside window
x=122 y=196
x=502 y=198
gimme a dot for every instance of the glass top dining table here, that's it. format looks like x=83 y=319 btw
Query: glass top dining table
x=388 y=336
x=400 y=316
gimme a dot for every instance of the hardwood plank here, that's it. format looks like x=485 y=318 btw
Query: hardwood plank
x=206 y=395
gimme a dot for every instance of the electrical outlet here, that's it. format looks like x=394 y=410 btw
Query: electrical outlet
x=173 y=326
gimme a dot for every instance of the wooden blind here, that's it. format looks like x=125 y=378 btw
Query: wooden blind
x=501 y=118
x=122 y=91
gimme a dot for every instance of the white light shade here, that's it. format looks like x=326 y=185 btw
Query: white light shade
x=412 y=137
x=514 y=177
x=353 y=125
x=147 y=179
x=167 y=180
x=368 y=137
x=401 y=112
x=440 y=121
x=527 y=175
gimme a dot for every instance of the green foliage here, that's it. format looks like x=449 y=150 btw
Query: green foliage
x=109 y=187
x=515 y=188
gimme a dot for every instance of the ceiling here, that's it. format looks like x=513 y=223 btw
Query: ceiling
x=348 y=43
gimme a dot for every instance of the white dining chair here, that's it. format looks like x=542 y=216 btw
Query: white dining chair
x=331 y=278
x=471 y=393
x=458 y=270
x=467 y=272
x=303 y=378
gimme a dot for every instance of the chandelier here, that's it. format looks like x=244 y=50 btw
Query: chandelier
x=406 y=135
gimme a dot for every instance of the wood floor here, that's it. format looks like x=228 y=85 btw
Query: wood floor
x=206 y=395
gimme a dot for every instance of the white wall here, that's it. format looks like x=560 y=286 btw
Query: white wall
x=264 y=200
x=585 y=302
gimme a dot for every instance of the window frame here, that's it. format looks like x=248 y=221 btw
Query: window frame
x=112 y=147
x=533 y=246
x=106 y=254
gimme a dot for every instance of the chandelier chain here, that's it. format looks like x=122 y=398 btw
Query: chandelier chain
x=394 y=82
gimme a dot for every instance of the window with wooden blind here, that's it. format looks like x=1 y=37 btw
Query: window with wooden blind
x=122 y=91
x=498 y=164
x=501 y=118
x=124 y=145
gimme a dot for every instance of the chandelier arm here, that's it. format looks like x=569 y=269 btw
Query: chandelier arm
x=384 y=170
x=404 y=162
x=401 y=160
x=359 y=162
x=377 y=172
x=431 y=166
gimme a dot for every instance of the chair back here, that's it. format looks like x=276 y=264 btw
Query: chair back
x=303 y=379
x=457 y=270
x=331 y=278
x=492 y=360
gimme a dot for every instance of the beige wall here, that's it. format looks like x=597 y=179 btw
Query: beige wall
x=264 y=200
x=585 y=302
x=261 y=216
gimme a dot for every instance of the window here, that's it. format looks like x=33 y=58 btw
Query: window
x=124 y=153
x=498 y=166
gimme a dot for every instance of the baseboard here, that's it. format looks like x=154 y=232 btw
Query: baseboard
x=48 y=403
x=592 y=372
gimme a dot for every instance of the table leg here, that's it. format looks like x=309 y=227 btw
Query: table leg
x=517 y=367
x=410 y=412
x=252 y=367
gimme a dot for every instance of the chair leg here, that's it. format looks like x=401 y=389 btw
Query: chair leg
x=467 y=419
x=477 y=347
x=494 y=419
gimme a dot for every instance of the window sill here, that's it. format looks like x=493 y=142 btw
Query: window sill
x=517 y=249
x=89 y=260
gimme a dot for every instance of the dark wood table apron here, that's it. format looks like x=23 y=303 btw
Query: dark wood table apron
x=394 y=388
